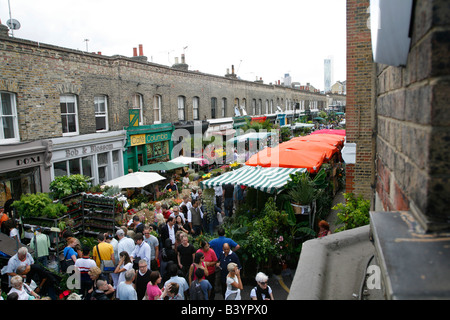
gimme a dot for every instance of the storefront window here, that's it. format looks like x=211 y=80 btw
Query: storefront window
x=87 y=166
x=74 y=166
x=16 y=183
x=158 y=151
x=60 y=168
x=102 y=161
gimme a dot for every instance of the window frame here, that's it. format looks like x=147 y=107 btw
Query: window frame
x=213 y=108
x=138 y=103
x=75 y=98
x=195 y=108
x=101 y=114
x=14 y=116
x=181 y=111
x=157 y=103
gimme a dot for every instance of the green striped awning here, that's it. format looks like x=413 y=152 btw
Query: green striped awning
x=267 y=179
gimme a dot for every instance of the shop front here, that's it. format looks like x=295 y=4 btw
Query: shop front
x=147 y=145
x=24 y=168
x=96 y=155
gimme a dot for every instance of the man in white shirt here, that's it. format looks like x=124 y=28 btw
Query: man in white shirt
x=195 y=218
x=141 y=250
x=125 y=243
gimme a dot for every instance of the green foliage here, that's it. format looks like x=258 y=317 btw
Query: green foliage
x=354 y=213
x=64 y=186
x=301 y=188
x=38 y=205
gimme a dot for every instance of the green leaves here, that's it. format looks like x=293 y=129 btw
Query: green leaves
x=64 y=186
x=38 y=205
x=354 y=213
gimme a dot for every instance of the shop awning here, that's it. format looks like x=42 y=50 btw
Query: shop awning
x=270 y=180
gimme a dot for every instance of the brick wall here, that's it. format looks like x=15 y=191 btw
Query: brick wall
x=39 y=73
x=359 y=109
x=413 y=136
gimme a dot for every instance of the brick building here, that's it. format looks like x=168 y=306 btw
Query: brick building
x=77 y=104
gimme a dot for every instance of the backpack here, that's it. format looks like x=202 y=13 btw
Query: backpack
x=195 y=291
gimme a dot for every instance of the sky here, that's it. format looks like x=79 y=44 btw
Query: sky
x=261 y=38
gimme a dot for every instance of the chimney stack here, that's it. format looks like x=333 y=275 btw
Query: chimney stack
x=183 y=59
x=232 y=69
x=134 y=52
x=141 y=50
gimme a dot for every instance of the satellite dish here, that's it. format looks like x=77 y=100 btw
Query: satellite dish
x=13 y=24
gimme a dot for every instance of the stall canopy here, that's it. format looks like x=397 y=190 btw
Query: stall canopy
x=332 y=139
x=340 y=132
x=186 y=160
x=135 y=180
x=286 y=157
x=162 y=166
x=251 y=136
x=270 y=180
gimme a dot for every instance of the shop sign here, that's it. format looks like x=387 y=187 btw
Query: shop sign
x=74 y=152
x=139 y=139
x=28 y=160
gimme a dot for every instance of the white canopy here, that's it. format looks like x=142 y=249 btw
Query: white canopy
x=135 y=180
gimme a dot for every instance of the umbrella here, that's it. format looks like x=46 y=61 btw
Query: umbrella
x=162 y=166
x=135 y=180
x=185 y=160
x=319 y=118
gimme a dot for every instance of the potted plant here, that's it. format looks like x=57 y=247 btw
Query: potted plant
x=302 y=193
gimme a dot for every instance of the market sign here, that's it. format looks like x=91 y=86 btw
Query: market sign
x=133 y=117
x=139 y=139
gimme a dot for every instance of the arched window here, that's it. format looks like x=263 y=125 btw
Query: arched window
x=196 y=108
x=213 y=108
x=181 y=108
x=157 y=109
x=137 y=102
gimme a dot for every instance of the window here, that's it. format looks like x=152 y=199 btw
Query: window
x=102 y=164
x=157 y=109
x=259 y=106
x=254 y=106
x=69 y=115
x=267 y=106
x=224 y=107
x=73 y=166
x=137 y=104
x=195 y=108
x=181 y=108
x=271 y=106
x=101 y=113
x=9 y=127
x=213 y=107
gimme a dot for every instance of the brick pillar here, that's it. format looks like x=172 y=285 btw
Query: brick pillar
x=359 y=106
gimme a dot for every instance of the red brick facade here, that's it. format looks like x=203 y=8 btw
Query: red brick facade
x=359 y=108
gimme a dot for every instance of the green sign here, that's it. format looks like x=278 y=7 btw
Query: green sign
x=134 y=117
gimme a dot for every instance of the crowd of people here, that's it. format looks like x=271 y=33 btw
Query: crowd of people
x=142 y=261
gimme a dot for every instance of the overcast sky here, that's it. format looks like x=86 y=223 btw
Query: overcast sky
x=261 y=38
